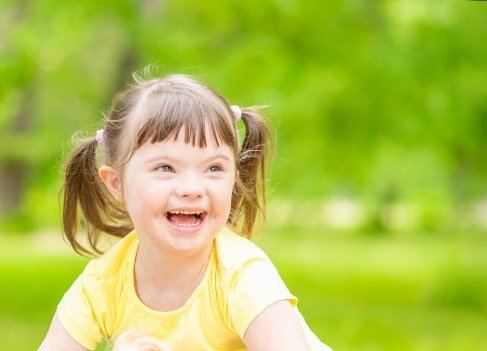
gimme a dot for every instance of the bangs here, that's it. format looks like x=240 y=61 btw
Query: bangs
x=163 y=116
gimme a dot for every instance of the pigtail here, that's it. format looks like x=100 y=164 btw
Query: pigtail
x=84 y=190
x=249 y=198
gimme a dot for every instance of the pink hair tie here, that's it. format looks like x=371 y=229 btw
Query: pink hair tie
x=237 y=112
x=100 y=136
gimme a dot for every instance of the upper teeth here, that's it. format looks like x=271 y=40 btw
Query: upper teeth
x=187 y=212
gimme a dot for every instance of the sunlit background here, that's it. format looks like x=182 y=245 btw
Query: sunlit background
x=377 y=214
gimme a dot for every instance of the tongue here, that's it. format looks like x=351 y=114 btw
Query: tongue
x=182 y=218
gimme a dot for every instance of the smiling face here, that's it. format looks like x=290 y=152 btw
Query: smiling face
x=178 y=195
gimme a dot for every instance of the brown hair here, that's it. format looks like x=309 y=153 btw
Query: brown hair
x=154 y=110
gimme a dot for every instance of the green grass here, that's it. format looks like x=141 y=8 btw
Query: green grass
x=357 y=293
x=361 y=293
x=32 y=281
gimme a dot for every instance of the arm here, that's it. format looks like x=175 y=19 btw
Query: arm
x=276 y=328
x=58 y=339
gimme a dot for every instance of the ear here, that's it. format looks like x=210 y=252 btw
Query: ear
x=113 y=181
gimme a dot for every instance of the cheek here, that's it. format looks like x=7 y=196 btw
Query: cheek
x=222 y=195
x=143 y=197
x=227 y=195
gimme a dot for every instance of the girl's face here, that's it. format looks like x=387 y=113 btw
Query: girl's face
x=178 y=195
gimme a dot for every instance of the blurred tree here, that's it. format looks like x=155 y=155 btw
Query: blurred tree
x=381 y=101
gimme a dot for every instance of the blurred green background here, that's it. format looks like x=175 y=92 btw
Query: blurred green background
x=378 y=193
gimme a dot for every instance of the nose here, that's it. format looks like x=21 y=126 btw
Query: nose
x=190 y=186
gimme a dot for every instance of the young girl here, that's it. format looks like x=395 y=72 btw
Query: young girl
x=177 y=185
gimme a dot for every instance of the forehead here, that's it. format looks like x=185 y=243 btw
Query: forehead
x=179 y=149
x=158 y=119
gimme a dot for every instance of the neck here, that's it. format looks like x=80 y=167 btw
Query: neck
x=165 y=282
x=167 y=270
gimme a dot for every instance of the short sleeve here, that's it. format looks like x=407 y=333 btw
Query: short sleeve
x=254 y=287
x=79 y=311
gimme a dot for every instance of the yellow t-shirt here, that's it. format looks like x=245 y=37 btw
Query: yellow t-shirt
x=239 y=283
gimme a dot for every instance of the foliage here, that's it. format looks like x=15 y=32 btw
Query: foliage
x=384 y=101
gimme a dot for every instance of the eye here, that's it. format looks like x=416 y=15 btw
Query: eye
x=215 y=168
x=164 y=168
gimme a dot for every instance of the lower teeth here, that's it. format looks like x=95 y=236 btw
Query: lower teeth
x=198 y=221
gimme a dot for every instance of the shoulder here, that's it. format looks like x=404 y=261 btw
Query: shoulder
x=86 y=310
x=234 y=251
x=241 y=262
x=249 y=280
x=102 y=275
x=116 y=258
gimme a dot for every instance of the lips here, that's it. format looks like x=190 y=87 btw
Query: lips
x=186 y=218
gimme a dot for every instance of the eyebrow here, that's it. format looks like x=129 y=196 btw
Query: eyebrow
x=175 y=160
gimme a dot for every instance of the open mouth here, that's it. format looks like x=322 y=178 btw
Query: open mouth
x=183 y=218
